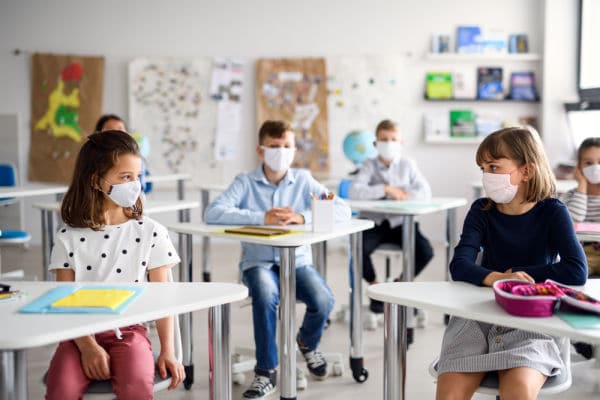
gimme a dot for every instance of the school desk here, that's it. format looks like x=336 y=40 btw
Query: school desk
x=287 y=245
x=410 y=210
x=459 y=299
x=50 y=209
x=23 y=331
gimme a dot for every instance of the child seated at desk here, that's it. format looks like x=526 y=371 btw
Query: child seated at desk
x=525 y=234
x=275 y=194
x=106 y=238
x=390 y=176
x=112 y=122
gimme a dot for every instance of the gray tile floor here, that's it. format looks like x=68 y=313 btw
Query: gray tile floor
x=336 y=339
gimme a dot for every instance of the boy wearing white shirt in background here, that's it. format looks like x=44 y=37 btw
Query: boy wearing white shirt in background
x=390 y=176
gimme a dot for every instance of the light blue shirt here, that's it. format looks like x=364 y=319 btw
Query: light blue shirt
x=247 y=199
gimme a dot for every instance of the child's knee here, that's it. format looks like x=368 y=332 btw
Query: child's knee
x=135 y=389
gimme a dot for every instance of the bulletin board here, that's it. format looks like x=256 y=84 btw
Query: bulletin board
x=294 y=90
x=169 y=103
x=66 y=100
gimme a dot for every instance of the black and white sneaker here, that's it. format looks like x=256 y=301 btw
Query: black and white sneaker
x=262 y=386
x=315 y=361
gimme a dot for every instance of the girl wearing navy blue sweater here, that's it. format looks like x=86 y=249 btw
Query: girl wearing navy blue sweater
x=525 y=233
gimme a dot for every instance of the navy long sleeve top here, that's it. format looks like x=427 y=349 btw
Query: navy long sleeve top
x=529 y=242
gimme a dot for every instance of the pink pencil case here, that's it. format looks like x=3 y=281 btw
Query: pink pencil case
x=526 y=299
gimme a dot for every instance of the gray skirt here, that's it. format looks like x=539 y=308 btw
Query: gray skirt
x=473 y=346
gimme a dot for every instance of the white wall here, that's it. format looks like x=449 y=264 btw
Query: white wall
x=123 y=30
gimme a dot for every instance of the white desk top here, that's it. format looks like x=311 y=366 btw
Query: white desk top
x=158 y=300
x=409 y=207
x=213 y=187
x=473 y=302
x=168 y=178
x=294 y=240
x=562 y=185
x=32 y=190
x=150 y=207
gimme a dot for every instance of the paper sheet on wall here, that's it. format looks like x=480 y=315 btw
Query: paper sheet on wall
x=169 y=103
x=66 y=101
x=363 y=90
x=294 y=90
x=226 y=89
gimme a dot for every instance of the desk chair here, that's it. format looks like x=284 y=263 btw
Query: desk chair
x=553 y=385
x=12 y=238
x=8 y=178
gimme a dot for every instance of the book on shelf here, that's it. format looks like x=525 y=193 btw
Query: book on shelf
x=438 y=85
x=489 y=83
x=468 y=39
x=464 y=86
x=437 y=126
x=486 y=123
x=493 y=41
x=518 y=43
x=522 y=86
x=462 y=123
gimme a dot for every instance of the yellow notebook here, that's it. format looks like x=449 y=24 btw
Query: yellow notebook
x=101 y=298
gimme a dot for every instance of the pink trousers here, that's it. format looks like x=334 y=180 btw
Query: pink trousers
x=131 y=367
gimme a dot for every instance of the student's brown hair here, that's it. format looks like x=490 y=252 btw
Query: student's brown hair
x=524 y=146
x=386 y=125
x=587 y=144
x=105 y=118
x=82 y=206
x=274 y=129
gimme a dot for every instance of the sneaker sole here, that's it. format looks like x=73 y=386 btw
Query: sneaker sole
x=271 y=392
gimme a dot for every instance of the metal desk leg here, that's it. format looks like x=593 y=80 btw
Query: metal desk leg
x=13 y=375
x=219 y=354
x=394 y=352
x=185 y=320
x=359 y=372
x=320 y=259
x=451 y=236
x=47 y=240
x=287 y=302
x=205 y=197
x=180 y=196
x=408 y=257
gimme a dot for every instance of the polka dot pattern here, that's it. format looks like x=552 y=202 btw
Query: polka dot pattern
x=119 y=253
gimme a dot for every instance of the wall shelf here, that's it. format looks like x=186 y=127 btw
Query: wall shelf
x=482 y=101
x=529 y=57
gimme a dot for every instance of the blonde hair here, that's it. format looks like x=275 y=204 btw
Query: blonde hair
x=524 y=146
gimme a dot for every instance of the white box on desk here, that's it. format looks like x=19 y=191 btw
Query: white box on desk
x=322 y=215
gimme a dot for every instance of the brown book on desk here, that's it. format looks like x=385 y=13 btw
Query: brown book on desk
x=257 y=231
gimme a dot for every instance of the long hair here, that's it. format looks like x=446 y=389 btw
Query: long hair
x=524 y=146
x=82 y=206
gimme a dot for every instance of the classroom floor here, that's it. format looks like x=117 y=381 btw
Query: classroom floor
x=336 y=338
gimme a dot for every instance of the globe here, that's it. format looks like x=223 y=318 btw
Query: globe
x=358 y=146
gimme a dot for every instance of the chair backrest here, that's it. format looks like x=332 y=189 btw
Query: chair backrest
x=8 y=177
x=344 y=188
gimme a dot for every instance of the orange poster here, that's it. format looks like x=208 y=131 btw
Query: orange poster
x=294 y=90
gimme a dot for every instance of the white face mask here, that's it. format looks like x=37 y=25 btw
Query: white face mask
x=389 y=151
x=124 y=194
x=279 y=158
x=498 y=187
x=592 y=173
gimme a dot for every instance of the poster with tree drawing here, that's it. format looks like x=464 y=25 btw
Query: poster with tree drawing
x=168 y=103
x=66 y=101
x=295 y=90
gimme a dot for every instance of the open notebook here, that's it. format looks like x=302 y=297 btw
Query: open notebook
x=84 y=299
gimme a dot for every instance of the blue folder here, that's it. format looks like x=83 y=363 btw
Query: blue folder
x=43 y=304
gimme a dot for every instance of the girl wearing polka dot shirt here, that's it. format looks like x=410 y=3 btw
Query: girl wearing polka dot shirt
x=107 y=239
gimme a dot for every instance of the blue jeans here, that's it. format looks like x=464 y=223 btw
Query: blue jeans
x=311 y=289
